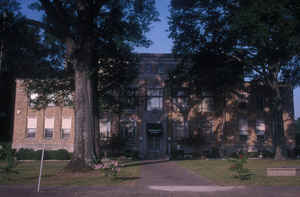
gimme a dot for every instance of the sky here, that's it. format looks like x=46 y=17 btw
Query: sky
x=159 y=36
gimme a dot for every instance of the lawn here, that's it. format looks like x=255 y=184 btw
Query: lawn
x=54 y=174
x=218 y=171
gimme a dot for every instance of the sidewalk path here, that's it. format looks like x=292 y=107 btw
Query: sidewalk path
x=168 y=173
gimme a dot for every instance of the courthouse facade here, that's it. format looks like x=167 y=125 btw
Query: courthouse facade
x=162 y=122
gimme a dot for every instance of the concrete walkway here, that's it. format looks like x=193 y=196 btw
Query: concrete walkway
x=161 y=178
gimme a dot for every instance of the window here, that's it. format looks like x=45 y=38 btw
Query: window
x=148 y=68
x=160 y=69
x=180 y=100
x=260 y=127
x=49 y=127
x=68 y=100
x=51 y=100
x=207 y=104
x=32 y=99
x=129 y=98
x=66 y=128
x=154 y=99
x=105 y=128
x=260 y=130
x=128 y=128
x=31 y=127
x=243 y=127
x=179 y=131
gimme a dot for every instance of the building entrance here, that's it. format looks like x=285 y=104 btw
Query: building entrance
x=154 y=131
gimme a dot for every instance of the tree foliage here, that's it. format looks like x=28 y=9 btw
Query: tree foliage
x=98 y=38
x=262 y=35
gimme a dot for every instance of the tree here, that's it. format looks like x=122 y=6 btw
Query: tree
x=21 y=53
x=94 y=34
x=262 y=35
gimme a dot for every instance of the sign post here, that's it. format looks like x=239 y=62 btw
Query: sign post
x=41 y=169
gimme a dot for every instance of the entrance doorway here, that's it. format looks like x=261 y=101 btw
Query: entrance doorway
x=154 y=144
x=154 y=131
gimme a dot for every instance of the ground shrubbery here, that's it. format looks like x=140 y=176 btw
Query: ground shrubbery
x=30 y=154
x=7 y=154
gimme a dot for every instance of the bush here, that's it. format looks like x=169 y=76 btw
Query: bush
x=268 y=154
x=297 y=151
x=239 y=169
x=132 y=153
x=213 y=153
x=252 y=154
x=9 y=156
x=60 y=154
x=177 y=154
x=30 y=154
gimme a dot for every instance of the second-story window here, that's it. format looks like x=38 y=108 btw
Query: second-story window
x=32 y=99
x=105 y=128
x=49 y=127
x=148 y=68
x=31 y=127
x=243 y=127
x=207 y=104
x=154 y=99
x=66 y=127
x=129 y=99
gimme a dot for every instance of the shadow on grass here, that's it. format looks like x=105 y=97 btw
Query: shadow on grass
x=145 y=162
x=124 y=178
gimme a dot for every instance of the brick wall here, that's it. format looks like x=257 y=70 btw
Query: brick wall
x=23 y=111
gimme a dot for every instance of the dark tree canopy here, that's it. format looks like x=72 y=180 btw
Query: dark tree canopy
x=262 y=35
x=97 y=38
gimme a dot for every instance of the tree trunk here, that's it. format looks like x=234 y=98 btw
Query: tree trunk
x=278 y=130
x=86 y=146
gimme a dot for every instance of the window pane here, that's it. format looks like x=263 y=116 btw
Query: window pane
x=154 y=103
x=32 y=123
x=243 y=126
x=31 y=132
x=49 y=123
x=105 y=128
x=66 y=133
x=66 y=123
x=48 y=133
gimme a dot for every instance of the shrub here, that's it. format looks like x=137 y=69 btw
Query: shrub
x=268 y=154
x=297 y=151
x=252 y=154
x=60 y=154
x=108 y=167
x=132 y=153
x=8 y=154
x=177 y=154
x=30 y=154
x=239 y=169
x=213 y=153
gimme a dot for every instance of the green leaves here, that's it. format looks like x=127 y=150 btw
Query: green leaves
x=238 y=167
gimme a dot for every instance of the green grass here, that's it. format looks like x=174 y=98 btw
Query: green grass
x=218 y=171
x=53 y=175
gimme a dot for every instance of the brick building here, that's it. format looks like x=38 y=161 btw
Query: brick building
x=162 y=122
